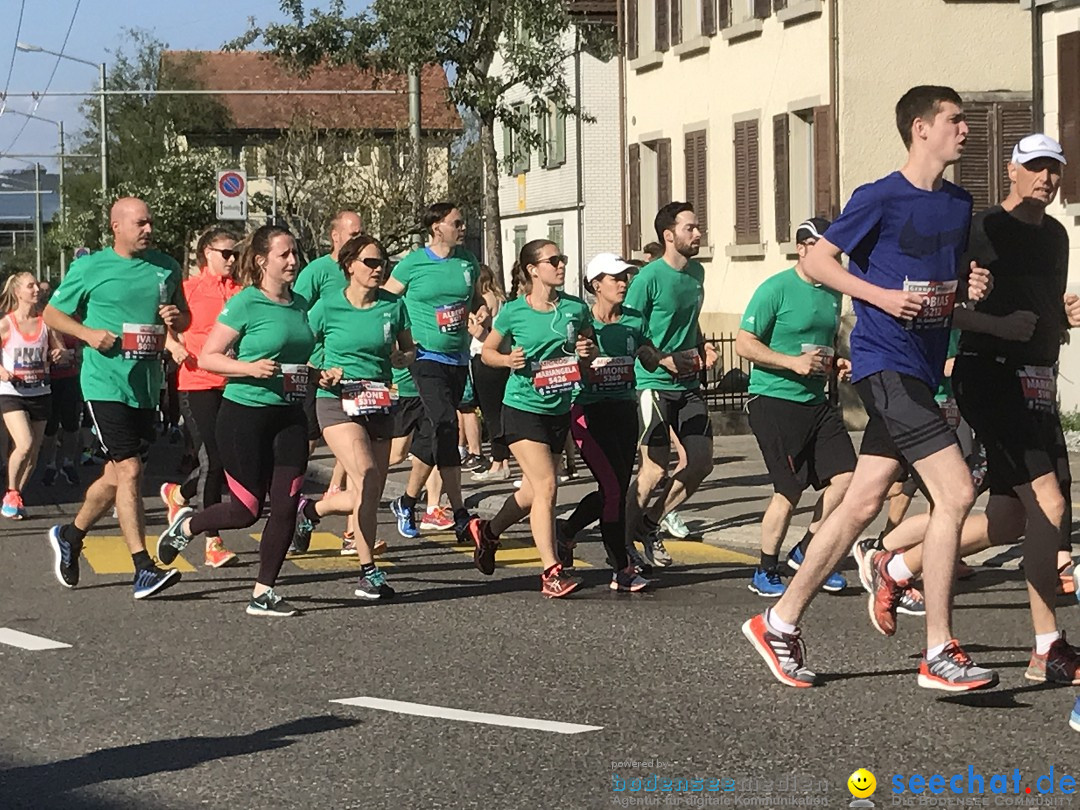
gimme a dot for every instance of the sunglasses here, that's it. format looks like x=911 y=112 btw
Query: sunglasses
x=226 y=253
x=457 y=223
x=554 y=261
x=373 y=263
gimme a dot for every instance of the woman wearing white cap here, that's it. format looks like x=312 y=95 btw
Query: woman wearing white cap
x=540 y=336
x=604 y=420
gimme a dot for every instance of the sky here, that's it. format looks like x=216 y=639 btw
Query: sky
x=98 y=29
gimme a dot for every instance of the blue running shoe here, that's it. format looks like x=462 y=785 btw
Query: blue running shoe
x=302 y=537
x=834 y=584
x=1074 y=720
x=65 y=557
x=406 y=520
x=767 y=584
x=149 y=581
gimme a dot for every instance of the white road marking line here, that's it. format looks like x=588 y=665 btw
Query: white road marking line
x=423 y=710
x=25 y=641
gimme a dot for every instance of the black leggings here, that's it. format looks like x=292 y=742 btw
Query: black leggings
x=264 y=450
x=66 y=405
x=490 y=385
x=605 y=433
x=200 y=410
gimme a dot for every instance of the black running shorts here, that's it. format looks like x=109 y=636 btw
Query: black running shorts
x=905 y=423
x=803 y=444
x=545 y=428
x=313 y=431
x=123 y=432
x=407 y=416
x=37 y=408
x=683 y=411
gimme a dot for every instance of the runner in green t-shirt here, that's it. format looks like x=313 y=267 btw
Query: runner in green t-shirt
x=261 y=345
x=438 y=283
x=541 y=336
x=669 y=293
x=604 y=419
x=789 y=333
x=365 y=333
x=119 y=302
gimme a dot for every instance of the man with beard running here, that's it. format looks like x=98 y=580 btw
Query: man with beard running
x=669 y=293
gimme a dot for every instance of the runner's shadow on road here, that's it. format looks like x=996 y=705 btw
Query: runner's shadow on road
x=998 y=698
x=38 y=783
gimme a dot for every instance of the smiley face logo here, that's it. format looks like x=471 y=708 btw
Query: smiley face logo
x=862 y=784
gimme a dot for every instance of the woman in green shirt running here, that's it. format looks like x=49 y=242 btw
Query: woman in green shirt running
x=365 y=334
x=261 y=427
x=540 y=337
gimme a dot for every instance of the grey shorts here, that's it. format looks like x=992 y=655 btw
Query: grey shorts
x=379 y=426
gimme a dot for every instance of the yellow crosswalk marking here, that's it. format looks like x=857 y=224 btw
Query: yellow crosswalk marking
x=110 y=555
x=324 y=554
x=511 y=554
x=692 y=551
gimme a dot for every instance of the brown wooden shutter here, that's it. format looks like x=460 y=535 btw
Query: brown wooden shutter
x=782 y=176
x=1069 y=113
x=701 y=185
x=747 y=184
x=708 y=17
x=663 y=172
x=663 y=18
x=973 y=170
x=824 y=148
x=635 y=196
x=676 y=21
x=1013 y=123
x=723 y=14
x=632 y=29
x=762 y=9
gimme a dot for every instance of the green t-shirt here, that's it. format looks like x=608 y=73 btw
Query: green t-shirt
x=944 y=390
x=438 y=295
x=317 y=280
x=787 y=313
x=670 y=302
x=358 y=341
x=107 y=291
x=269 y=330
x=611 y=374
x=547 y=338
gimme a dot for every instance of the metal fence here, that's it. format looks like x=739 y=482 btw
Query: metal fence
x=727 y=381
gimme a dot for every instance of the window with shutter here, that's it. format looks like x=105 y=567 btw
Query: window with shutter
x=782 y=176
x=723 y=13
x=663 y=17
x=762 y=9
x=1013 y=123
x=708 y=17
x=695 y=157
x=634 y=161
x=747 y=184
x=824 y=202
x=1069 y=113
x=632 y=29
x=663 y=171
x=676 y=21
x=508 y=148
x=973 y=169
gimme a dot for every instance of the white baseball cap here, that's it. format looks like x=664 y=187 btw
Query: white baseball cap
x=606 y=264
x=1036 y=146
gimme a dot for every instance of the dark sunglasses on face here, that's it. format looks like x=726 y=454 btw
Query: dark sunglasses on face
x=457 y=223
x=374 y=263
x=226 y=253
x=554 y=261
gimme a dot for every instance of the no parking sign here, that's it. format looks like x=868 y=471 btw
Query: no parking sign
x=232 y=201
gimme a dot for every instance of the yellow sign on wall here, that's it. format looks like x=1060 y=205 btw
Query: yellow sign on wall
x=521 y=192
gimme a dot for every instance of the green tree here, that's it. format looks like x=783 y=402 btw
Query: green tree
x=148 y=158
x=465 y=37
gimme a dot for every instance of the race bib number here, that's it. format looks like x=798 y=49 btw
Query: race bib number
x=951 y=411
x=294 y=381
x=142 y=341
x=1039 y=387
x=940 y=297
x=611 y=374
x=29 y=371
x=360 y=397
x=451 y=317
x=828 y=356
x=557 y=376
x=692 y=357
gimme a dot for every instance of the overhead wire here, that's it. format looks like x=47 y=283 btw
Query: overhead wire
x=11 y=65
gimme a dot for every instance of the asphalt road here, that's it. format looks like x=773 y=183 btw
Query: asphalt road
x=184 y=701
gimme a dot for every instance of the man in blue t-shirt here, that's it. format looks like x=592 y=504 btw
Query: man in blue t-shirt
x=905 y=236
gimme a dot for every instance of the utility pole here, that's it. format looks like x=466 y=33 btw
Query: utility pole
x=37 y=216
x=104 y=147
x=417 y=146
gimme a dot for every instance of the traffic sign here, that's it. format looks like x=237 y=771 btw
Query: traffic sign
x=232 y=201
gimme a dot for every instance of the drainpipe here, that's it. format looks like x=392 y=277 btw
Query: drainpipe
x=834 y=99
x=580 y=171
x=1037 y=123
x=621 y=33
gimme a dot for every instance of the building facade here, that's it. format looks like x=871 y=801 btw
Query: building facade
x=764 y=112
x=569 y=190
